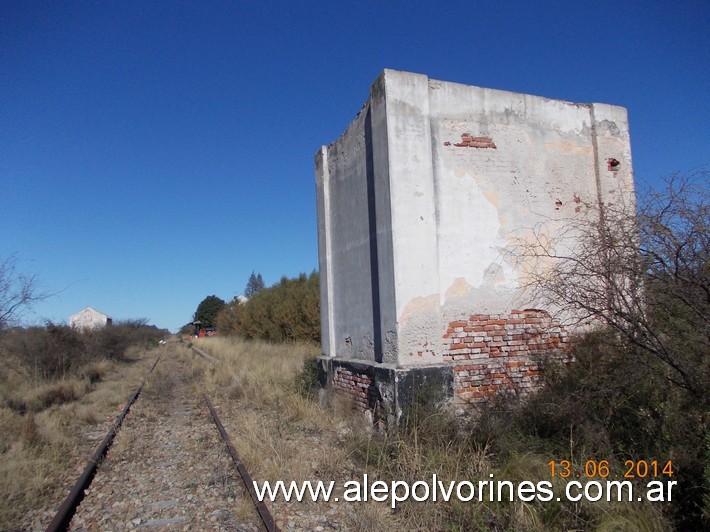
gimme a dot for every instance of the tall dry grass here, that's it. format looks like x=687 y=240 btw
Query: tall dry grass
x=271 y=367
x=429 y=442
x=280 y=430
x=49 y=427
x=254 y=380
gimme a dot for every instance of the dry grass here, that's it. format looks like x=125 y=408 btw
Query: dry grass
x=44 y=429
x=369 y=518
x=279 y=433
x=282 y=435
x=258 y=379
x=266 y=371
x=160 y=384
x=29 y=433
x=122 y=442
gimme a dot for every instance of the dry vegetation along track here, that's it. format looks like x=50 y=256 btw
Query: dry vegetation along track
x=168 y=468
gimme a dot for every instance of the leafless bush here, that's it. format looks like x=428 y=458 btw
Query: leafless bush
x=45 y=353
x=17 y=292
x=644 y=275
x=57 y=351
x=641 y=383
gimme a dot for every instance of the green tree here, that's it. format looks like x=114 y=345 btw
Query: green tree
x=255 y=284
x=287 y=311
x=208 y=309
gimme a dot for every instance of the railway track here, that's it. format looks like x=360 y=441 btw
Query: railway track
x=170 y=466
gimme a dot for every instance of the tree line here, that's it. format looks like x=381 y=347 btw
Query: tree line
x=287 y=311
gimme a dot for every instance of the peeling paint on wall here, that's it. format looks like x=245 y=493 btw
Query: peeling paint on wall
x=422 y=228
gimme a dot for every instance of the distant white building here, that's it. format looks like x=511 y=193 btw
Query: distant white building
x=89 y=318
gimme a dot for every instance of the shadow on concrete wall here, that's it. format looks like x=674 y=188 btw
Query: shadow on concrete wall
x=372 y=223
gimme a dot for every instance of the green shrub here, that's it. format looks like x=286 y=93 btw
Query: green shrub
x=288 y=311
x=307 y=380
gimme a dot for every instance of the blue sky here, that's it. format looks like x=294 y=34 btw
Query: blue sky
x=155 y=153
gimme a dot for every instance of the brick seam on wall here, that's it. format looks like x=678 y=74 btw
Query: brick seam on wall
x=501 y=354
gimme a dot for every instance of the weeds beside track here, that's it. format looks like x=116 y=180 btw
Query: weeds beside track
x=164 y=463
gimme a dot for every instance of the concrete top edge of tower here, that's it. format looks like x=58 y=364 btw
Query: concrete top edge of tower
x=393 y=73
x=616 y=113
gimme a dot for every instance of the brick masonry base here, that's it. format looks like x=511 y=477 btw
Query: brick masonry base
x=384 y=390
x=486 y=356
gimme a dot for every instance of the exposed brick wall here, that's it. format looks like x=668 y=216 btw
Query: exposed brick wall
x=353 y=385
x=467 y=141
x=499 y=354
x=486 y=355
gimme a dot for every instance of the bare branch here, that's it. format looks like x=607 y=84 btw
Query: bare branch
x=18 y=291
x=644 y=275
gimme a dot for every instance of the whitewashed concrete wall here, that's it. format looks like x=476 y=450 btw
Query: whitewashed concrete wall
x=421 y=196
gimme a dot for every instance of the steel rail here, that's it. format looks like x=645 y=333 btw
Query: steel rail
x=266 y=516
x=66 y=511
